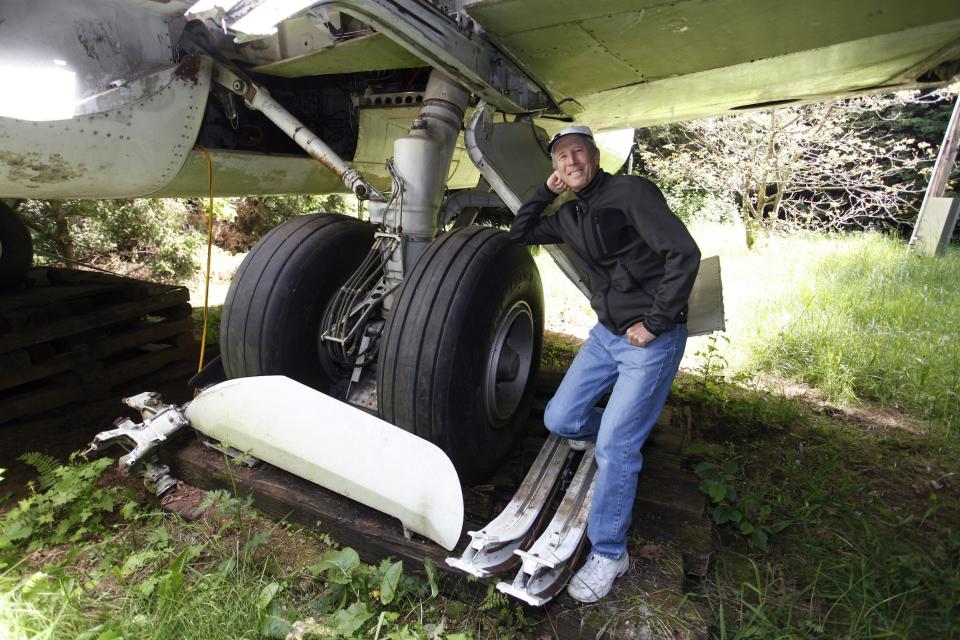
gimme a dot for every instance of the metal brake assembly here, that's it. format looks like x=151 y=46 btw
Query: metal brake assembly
x=546 y=562
x=160 y=421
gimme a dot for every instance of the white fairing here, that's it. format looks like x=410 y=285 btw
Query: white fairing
x=337 y=446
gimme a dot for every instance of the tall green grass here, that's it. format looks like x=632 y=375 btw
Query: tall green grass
x=868 y=320
x=853 y=315
x=860 y=558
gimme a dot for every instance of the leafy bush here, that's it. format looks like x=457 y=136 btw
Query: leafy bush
x=148 y=238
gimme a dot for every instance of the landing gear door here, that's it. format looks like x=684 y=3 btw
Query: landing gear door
x=513 y=158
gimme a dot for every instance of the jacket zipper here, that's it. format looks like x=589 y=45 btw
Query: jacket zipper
x=595 y=223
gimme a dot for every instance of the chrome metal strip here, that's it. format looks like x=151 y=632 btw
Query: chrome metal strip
x=491 y=550
x=548 y=564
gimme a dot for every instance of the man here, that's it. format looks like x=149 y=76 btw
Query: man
x=641 y=263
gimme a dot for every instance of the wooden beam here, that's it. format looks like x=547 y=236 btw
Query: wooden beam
x=937 y=219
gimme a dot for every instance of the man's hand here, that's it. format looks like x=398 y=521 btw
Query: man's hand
x=638 y=336
x=556 y=184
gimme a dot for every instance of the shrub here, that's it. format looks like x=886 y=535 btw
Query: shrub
x=141 y=237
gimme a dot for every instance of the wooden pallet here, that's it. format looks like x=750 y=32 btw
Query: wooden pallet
x=73 y=342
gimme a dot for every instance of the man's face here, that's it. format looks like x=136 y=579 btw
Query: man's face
x=574 y=161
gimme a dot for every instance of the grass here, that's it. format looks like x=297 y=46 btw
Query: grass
x=869 y=321
x=863 y=523
x=213 y=323
x=854 y=316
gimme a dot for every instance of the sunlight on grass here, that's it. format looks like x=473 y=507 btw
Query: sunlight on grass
x=20 y=616
x=872 y=321
x=566 y=310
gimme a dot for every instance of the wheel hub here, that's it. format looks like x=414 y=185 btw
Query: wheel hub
x=509 y=363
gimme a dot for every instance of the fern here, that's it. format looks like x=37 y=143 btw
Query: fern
x=70 y=508
x=494 y=599
x=45 y=465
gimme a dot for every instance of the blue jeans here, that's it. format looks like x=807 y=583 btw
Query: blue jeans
x=641 y=379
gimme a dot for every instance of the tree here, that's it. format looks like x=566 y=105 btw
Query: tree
x=824 y=166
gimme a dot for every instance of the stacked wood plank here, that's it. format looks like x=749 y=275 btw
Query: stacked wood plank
x=72 y=343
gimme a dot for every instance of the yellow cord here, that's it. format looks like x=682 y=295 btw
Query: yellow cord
x=206 y=283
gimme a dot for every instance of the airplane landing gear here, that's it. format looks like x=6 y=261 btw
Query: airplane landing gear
x=271 y=317
x=453 y=327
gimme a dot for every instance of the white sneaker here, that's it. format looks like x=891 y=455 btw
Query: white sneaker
x=578 y=445
x=596 y=576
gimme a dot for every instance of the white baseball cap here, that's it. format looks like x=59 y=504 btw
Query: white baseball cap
x=579 y=129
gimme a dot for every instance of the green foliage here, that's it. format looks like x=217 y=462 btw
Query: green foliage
x=868 y=550
x=45 y=465
x=256 y=215
x=736 y=396
x=510 y=618
x=362 y=601
x=853 y=315
x=71 y=507
x=558 y=351
x=148 y=238
x=854 y=581
x=214 y=314
x=720 y=477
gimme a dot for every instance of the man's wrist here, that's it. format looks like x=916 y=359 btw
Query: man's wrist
x=547 y=191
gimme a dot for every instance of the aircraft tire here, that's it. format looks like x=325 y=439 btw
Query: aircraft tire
x=271 y=316
x=16 y=248
x=461 y=349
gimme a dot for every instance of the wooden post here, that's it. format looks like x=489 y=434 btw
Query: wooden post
x=938 y=215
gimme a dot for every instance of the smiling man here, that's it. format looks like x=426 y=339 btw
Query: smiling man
x=641 y=264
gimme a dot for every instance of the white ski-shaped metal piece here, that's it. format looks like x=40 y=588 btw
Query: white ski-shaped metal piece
x=337 y=446
x=491 y=550
x=548 y=564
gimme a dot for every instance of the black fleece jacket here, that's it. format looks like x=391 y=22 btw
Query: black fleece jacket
x=640 y=260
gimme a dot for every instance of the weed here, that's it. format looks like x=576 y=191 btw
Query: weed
x=739 y=396
x=511 y=621
x=719 y=482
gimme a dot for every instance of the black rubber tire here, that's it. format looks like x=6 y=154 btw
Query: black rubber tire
x=16 y=248
x=439 y=336
x=271 y=316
